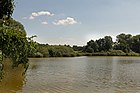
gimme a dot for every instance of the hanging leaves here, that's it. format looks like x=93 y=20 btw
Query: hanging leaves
x=14 y=44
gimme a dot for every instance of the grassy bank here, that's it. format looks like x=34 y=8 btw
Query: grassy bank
x=110 y=53
x=67 y=53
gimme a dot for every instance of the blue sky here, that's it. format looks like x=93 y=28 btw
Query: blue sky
x=75 y=22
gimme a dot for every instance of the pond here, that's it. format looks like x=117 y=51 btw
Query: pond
x=75 y=75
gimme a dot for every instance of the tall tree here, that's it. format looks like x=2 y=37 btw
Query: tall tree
x=123 y=42
x=135 y=46
x=13 y=41
x=6 y=8
x=91 y=46
x=108 y=43
x=105 y=43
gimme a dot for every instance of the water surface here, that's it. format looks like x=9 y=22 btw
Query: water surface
x=75 y=75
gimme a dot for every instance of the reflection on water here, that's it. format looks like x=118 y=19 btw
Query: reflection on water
x=13 y=79
x=76 y=75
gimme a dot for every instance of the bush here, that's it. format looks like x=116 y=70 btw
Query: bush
x=38 y=54
x=116 y=53
x=60 y=51
x=131 y=53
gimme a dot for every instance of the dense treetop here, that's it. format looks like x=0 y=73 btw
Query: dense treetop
x=6 y=8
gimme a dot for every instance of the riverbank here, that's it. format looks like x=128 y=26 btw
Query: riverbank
x=45 y=50
x=77 y=53
x=110 y=53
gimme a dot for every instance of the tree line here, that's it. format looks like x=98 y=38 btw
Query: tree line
x=45 y=50
x=125 y=44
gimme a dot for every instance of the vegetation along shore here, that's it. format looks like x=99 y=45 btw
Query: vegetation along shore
x=125 y=45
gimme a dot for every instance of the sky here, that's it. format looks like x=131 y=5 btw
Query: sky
x=75 y=22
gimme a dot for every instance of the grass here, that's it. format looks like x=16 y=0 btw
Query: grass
x=110 y=53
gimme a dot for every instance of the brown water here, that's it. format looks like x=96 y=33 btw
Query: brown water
x=75 y=75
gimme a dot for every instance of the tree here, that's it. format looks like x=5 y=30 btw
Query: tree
x=123 y=42
x=108 y=43
x=60 y=51
x=77 y=48
x=42 y=48
x=13 y=41
x=105 y=44
x=91 y=46
x=136 y=44
x=6 y=8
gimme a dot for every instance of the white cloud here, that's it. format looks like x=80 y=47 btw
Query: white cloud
x=45 y=23
x=67 y=21
x=42 y=13
x=34 y=14
x=31 y=17
x=45 y=13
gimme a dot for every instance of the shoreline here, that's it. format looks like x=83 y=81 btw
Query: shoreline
x=92 y=55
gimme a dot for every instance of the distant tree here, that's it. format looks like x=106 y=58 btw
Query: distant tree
x=136 y=43
x=60 y=51
x=77 y=48
x=105 y=44
x=123 y=42
x=91 y=46
x=108 y=43
x=101 y=44
x=89 y=49
x=42 y=48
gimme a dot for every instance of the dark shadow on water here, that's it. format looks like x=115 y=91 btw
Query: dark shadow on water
x=13 y=79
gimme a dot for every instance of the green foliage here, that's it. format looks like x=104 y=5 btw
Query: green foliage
x=125 y=45
x=135 y=45
x=13 y=41
x=14 y=45
x=102 y=44
x=128 y=43
x=105 y=44
x=14 y=24
x=108 y=43
x=77 y=48
x=132 y=53
x=32 y=47
x=123 y=42
x=91 y=46
x=116 y=53
x=6 y=8
x=42 y=51
x=60 y=51
x=45 y=50
x=111 y=53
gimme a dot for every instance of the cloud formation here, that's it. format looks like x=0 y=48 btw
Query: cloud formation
x=45 y=23
x=40 y=13
x=31 y=17
x=67 y=21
